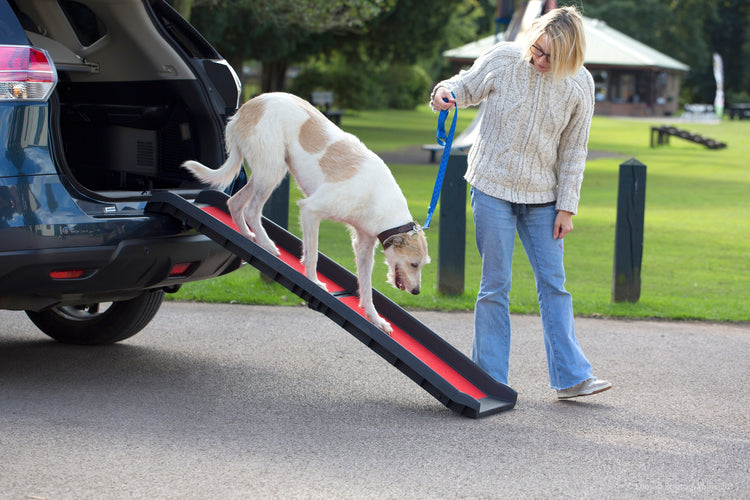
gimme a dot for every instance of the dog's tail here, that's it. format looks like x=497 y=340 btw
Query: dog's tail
x=223 y=176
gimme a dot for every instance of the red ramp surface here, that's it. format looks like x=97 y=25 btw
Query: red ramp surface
x=418 y=352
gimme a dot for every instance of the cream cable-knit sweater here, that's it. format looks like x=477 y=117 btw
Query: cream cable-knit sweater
x=532 y=142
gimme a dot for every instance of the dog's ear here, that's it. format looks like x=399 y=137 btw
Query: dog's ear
x=398 y=241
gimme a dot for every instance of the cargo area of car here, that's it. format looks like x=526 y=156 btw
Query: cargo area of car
x=113 y=141
x=129 y=107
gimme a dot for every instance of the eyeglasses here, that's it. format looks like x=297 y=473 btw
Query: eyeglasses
x=537 y=52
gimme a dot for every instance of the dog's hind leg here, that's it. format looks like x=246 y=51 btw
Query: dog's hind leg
x=246 y=208
x=236 y=205
x=253 y=212
x=364 y=250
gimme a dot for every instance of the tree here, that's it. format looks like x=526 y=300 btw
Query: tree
x=409 y=35
x=726 y=32
x=276 y=31
x=689 y=31
x=409 y=31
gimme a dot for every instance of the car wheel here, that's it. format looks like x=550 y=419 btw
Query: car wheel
x=101 y=323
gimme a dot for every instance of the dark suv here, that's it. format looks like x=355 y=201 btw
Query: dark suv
x=100 y=103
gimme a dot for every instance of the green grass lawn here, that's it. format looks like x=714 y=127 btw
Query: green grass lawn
x=695 y=256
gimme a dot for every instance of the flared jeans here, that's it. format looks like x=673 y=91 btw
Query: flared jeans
x=496 y=223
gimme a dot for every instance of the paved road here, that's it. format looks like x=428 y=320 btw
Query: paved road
x=222 y=401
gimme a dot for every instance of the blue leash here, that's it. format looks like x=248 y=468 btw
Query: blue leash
x=446 y=141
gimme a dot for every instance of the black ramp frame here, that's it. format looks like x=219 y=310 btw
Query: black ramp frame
x=498 y=397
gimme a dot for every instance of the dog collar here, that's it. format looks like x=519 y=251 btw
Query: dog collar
x=386 y=236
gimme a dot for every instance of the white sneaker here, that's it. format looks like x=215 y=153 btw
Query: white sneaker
x=585 y=388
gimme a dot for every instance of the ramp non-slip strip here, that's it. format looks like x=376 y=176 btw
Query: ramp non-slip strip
x=404 y=339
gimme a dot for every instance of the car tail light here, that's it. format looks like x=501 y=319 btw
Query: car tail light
x=182 y=269
x=26 y=74
x=66 y=274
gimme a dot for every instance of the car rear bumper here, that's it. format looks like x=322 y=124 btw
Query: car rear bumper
x=29 y=280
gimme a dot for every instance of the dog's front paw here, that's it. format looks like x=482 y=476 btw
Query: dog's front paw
x=382 y=325
x=321 y=285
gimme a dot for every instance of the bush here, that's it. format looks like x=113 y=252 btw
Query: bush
x=361 y=86
x=406 y=86
x=353 y=88
x=737 y=98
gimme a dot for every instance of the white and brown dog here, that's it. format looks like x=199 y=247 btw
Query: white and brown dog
x=341 y=179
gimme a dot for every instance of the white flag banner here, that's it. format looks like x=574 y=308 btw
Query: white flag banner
x=719 y=76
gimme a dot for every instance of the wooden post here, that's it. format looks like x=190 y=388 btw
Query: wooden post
x=452 y=243
x=631 y=203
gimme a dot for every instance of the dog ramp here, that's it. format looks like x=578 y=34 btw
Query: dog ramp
x=423 y=356
x=660 y=136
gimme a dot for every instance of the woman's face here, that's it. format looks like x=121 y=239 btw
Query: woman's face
x=540 y=54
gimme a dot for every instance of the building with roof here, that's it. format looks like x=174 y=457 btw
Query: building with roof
x=631 y=78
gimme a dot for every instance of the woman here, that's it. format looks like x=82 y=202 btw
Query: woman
x=525 y=171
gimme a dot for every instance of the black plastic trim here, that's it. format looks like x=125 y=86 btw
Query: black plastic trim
x=111 y=273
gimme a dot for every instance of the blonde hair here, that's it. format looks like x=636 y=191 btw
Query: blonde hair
x=564 y=30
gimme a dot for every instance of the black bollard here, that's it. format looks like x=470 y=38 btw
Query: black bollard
x=277 y=210
x=631 y=206
x=452 y=243
x=277 y=206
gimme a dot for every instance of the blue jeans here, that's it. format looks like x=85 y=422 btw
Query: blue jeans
x=496 y=222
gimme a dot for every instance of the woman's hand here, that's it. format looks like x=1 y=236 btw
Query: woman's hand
x=563 y=224
x=438 y=102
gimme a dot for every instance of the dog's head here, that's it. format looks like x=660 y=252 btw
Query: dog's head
x=406 y=254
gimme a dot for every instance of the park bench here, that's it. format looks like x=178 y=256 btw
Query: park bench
x=741 y=111
x=698 y=113
x=462 y=141
x=323 y=100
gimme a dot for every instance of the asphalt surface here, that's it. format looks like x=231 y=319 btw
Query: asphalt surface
x=228 y=401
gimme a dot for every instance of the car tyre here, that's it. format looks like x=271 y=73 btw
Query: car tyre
x=96 y=324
